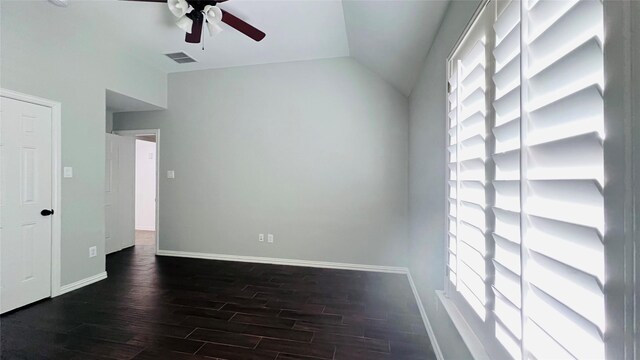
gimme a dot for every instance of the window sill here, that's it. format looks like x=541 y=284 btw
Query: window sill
x=476 y=348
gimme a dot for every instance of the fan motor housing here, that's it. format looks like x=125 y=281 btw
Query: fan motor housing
x=199 y=5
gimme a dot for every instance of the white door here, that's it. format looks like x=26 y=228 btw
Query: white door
x=111 y=192
x=25 y=191
x=119 y=193
x=126 y=214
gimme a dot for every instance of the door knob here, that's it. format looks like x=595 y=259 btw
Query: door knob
x=46 y=212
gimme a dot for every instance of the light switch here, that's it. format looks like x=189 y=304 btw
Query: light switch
x=150 y=156
x=171 y=174
x=68 y=172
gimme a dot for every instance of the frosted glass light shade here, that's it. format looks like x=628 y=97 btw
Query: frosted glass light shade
x=213 y=17
x=185 y=24
x=179 y=8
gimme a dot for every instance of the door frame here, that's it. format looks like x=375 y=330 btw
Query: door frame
x=56 y=178
x=156 y=132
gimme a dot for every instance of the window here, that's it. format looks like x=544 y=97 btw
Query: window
x=526 y=178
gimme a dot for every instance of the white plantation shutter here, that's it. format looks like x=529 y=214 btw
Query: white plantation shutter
x=563 y=214
x=467 y=195
x=532 y=210
x=452 y=253
x=471 y=200
x=506 y=208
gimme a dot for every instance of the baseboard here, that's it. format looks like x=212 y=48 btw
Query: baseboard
x=146 y=228
x=278 y=261
x=81 y=283
x=425 y=320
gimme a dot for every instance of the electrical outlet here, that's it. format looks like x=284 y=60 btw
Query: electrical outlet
x=270 y=238
x=93 y=251
x=261 y=237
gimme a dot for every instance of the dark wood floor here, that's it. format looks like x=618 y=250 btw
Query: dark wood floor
x=174 y=308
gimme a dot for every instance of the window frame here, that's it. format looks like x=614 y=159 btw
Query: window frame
x=471 y=321
x=622 y=175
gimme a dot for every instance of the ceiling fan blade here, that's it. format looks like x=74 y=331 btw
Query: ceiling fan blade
x=196 y=31
x=242 y=26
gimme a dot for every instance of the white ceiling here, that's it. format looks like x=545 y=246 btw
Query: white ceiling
x=390 y=37
x=296 y=30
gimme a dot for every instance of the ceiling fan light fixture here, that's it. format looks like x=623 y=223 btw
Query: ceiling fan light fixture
x=185 y=23
x=213 y=28
x=213 y=18
x=179 y=8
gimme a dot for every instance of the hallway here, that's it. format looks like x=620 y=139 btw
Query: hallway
x=145 y=237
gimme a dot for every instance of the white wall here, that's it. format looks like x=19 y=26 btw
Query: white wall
x=44 y=54
x=314 y=152
x=427 y=177
x=145 y=185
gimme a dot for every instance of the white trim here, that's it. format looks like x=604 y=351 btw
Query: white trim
x=145 y=228
x=56 y=178
x=155 y=132
x=467 y=28
x=475 y=346
x=620 y=151
x=82 y=283
x=425 y=319
x=290 y=262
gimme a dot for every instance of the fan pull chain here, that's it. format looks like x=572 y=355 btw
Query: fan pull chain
x=204 y=22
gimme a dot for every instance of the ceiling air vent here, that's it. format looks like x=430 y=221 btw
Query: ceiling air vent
x=180 y=58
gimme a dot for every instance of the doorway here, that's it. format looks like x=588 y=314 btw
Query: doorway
x=145 y=190
x=147 y=151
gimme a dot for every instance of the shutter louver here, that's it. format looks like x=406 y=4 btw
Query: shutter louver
x=471 y=203
x=506 y=209
x=467 y=178
x=564 y=303
x=452 y=248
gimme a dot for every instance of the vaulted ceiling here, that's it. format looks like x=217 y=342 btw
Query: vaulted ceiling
x=390 y=37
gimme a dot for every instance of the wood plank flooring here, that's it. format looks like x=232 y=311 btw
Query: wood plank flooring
x=174 y=308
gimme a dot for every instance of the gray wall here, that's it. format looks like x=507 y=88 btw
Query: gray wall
x=427 y=177
x=635 y=56
x=109 y=121
x=43 y=54
x=314 y=152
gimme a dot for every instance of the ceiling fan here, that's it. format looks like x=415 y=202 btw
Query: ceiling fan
x=194 y=14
